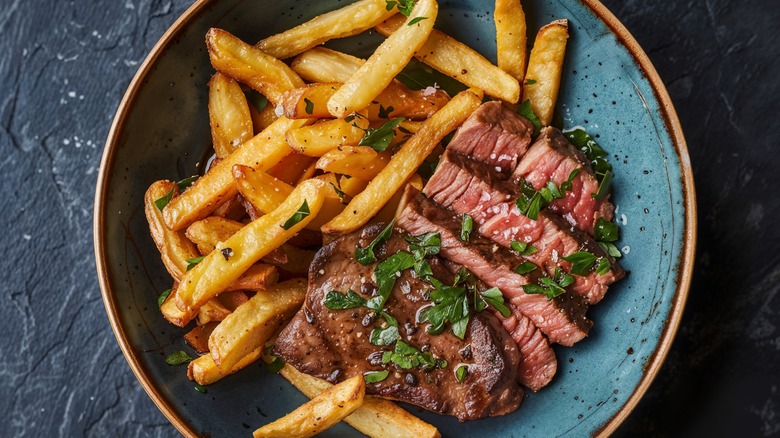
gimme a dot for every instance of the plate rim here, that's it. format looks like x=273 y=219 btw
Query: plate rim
x=668 y=114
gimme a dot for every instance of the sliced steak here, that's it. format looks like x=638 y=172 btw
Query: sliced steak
x=494 y=135
x=334 y=344
x=561 y=319
x=467 y=186
x=553 y=158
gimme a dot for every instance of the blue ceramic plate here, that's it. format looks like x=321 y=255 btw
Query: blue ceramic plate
x=161 y=131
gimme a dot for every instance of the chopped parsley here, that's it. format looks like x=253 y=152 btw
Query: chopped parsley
x=335 y=300
x=418 y=76
x=404 y=6
x=606 y=233
x=200 y=389
x=366 y=256
x=531 y=201
x=551 y=287
x=181 y=185
x=530 y=82
x=163 y=296
x=256 y=99
x=408 y=357
x=525 y=110
x=386 y=272
x=384 y=337
x=178 y=358
x=492 y=297
x=191 y=263
x=525 y=268
x=416 y=20
x=379 y=138
x=603 y=170
x=375 y=376
x=275 y=365
x=309 y=106
x=582 y=262
x=461 y=373
x=465 y=228
x=451 y=305
x=384 y=113
x=523 y=248
x=303 y=211
x=340 y=193
x=603 y=266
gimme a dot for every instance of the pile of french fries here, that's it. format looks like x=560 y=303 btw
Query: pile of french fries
x=293 y=175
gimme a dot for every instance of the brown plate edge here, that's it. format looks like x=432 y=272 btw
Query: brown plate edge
x=673 y=125
x=685 y=268
x=99 y=221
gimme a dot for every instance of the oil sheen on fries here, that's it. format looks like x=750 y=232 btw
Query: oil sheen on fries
x=545 y=67
x=403 y=164
x=318 y=414
x=217 y=271
x=386 y=62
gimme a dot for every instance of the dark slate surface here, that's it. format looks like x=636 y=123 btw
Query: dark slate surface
x=65 y=66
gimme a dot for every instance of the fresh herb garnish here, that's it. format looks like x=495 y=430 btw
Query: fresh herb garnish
x=404 y=6
x=422 y=246
x=191 y=263
x=416 y=20
x=550 y=287
x=375 y=376
x=186 y=183
x=531 y=201
x=418 y=76
x=581 y=261
x=427 y=168
x=605 y=233
x=275 y=365
x=182 y=186
x=379 y=138
x=525 y=268
x=603 y=170
x=339 y=192
x=530 y=82
x=298 y=216
x=178 y=358
x=338 y=301
x=451 y=305
x=256 y=99
x=163 y=296
x=408 y=357
x=465 y=228
x=200 y=389
x=493 y=297
x=227 y=253
x=366 y=256
x=309 y=106
x=523 y=248
x=386 y=272
x=525 y=110
x=461 y=372
x=603 y=266
x=610 y=249
x=384 y=337
x=384 y=113
x=164 y=200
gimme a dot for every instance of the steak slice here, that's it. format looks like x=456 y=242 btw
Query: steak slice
x=334 y=344
x=553 y=158
x=470 y=187
x=561 y=319
x=494 y=135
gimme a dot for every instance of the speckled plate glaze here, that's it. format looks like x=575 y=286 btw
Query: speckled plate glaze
x=161 y=131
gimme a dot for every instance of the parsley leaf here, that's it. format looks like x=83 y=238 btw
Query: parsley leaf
x=584 y=142
x=523 y=248
x=383 y=337
x=603 y=266
x=525 y=268
x=191 y=263
x=200 y=389
x=309 y=106
x=531 y=201
x=466 y=227
x=178 y=358
x=404 y=6
x=408 y=357
x=610 y=249
x=525 y=110
x=275 y=365
x=550 y=287
x=606 y=231
x=416 y=20
x=581 y=261
x=461 y=372
x=163 y=296
x=366 y=256
x=375 y=376
x=417 y=76
x=495 y=298
x=164 y=200
x=530 y=82
x=303 y=211
x=384 y=113
x=423 y=246
x=340 y=193
x=379 y=138
x=386 y=272
x=338 y=301
x=256 y=99
x=451 y=305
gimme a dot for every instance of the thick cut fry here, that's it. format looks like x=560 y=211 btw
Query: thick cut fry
x=545 y=67
x=258 y=277
x=262 y=119
x=250 y=66
x=318 y=414
x=308 y=102
x=214 y=274
x=320 y=138
x=211 y=311
x=347 y=21
x=261 y=152
x=377 y=418
x=231 y=121
x=403 y=164
x=291 y=168
x=396 y=100
x=198 y=337
x=387 y=61
x=254 y=322
x=352 y=186
x=204 y=371
x=175 y=249
x=358 y=161
x=207 y=233
x=461 y=62
x=510 y=37
x=393 y=206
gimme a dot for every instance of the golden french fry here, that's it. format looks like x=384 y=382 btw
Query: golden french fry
x=377 y=418
x=357 y=161
x=261 y=152
x=396 y=100
x=347 y=21
x=404 y=163
x=545 y=67
x=510 y=37
x=204 y=371
x=390 y=210
x=215 y=273
x=307 y=173
x=207 y=233
x=213 y=310
x=175 y=249
x=231 y=121
x=254 y=322
x=461 y=62
x=386 y=62
x=291 y=167
x=263 y=118
x=318 y=414
x=260 y=276
x=308 y=102
x=250 y=66
x=352 y=186
x=318 y=139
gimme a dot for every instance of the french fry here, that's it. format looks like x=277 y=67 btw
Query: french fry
x=308 y=102
x=396 y=100
x=213 y=310
x=207 y=233
x=232 y=209
x=320 y=138
x=403 y=164
x=307 y=173
x=377 y=418
x=254 y=322
x=510 y=37
x=392 y=208
x=250 y=66
x=215 y=273
x=204 y=371
x=299 y=260
x=318 y=414
x=461 y=62
x=352 y=186
x=291 y=168
x=262 y=152
x=262 y=119
x=231 y=121
x=347 y=21
x=545 y=67
x=386 y=62
x=358 y=161
x=258 y=277
x=175 y=249
x=198 y=337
